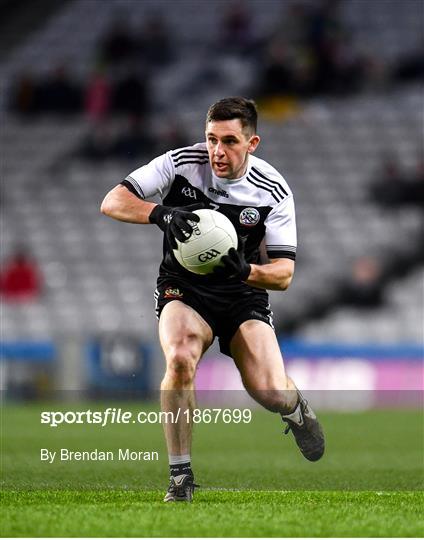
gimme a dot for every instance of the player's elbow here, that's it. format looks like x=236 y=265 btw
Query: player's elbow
x=104 y=209
x=284 y=271
x=108 y=206
x=286 y=276
x=285 y=282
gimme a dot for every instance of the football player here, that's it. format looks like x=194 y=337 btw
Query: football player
x=232 y=303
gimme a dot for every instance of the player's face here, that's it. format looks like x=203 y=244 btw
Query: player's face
x=229 y=146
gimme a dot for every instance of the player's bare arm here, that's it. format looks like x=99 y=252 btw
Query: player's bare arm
x=123 y=205
x=276 y=275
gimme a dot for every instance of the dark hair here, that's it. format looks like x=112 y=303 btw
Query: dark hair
x=234 y=107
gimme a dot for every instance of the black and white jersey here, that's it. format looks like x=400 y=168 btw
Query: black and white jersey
x=259 y=204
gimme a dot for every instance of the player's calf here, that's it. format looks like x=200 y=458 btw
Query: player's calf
x=276 y=401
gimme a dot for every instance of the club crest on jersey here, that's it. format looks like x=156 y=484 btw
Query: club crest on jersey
x=172 y=293
x=249 y=217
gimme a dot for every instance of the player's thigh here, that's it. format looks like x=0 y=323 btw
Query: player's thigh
x=181 y=328
x=257 y=355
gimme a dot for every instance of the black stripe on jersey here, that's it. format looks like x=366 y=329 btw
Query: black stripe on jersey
x=269 y=179
x=190 y=156
x=261 y=186
x=274 y=188
x=188 y=152
x=133 y=186
x=281 y=254
x=279 y=247
x=277 y=189
x=199 y=161
x=271 y=183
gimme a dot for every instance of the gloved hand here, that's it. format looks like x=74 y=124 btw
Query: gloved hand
x=174 y=222
x=234 y=265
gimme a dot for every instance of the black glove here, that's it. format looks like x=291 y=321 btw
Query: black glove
x=234 y=265
x=175 y=222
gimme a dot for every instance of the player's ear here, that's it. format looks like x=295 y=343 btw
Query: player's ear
x=253 y=143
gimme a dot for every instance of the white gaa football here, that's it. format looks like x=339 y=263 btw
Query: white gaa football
x=212 y=237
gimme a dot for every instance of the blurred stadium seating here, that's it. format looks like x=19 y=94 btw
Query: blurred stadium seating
x=100 y=274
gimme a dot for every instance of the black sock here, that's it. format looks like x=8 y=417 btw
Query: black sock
x=181 y=468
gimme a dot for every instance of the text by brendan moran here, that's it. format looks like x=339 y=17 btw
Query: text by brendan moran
x=122 y=454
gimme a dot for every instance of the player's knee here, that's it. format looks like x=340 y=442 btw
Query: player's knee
x=181 y=365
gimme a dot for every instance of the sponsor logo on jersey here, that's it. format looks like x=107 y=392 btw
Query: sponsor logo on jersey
x=249 y=217
x=208 y=255
x=219 y=192
x=188 y=192
x=170 y=292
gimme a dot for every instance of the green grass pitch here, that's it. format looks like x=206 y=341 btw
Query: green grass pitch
x=254 y=481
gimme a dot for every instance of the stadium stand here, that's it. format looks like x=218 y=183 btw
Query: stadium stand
x=398 y=321
x=100 y=275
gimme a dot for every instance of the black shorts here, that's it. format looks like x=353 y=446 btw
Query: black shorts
x=223 y=313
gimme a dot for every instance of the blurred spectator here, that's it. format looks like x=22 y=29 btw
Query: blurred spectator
x=171 y=135
x=291 y=34
x=395 y=187
x=118 y=45
x=339 y=69
x=59 y=94
x=410 y=67
x=324 y=22
x=130 y=95
x=388 y=187
x=310 y=52
x=294 y=25
x=277 y=75
x=98 y=144
x=20 y=278
x=98 y=97
x=419 y=174
x=154 y=45
x=24 y=95
x=375 y=73
x=127 y=142
x=134 y=141
x=237 y=34
x=414 y=186
x=364 y=288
